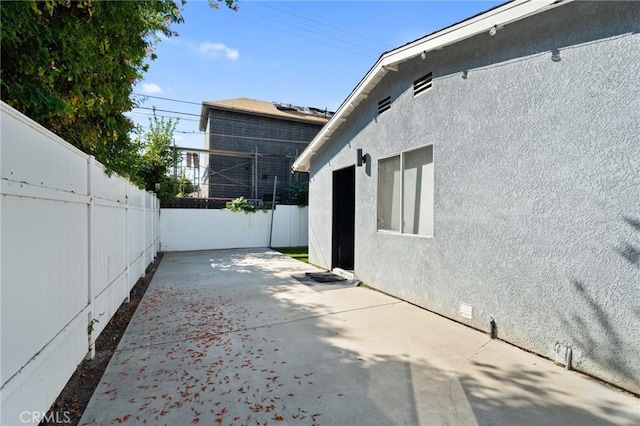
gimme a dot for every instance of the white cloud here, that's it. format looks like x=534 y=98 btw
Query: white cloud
x=151 y=89
x=214 y=50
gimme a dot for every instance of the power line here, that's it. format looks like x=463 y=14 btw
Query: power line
x=164 y=116
x=257 y=138
x=264 y=4
x=323 y=34
x=192 y=132
x=171 y=112
x=307 y=38
x=260 y=138
x=167 y=99
x=228 y=119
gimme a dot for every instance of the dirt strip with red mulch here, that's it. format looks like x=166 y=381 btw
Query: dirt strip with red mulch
x=75 y=396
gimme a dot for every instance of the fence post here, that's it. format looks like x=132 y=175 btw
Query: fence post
x=143 y=264
x=156 y=227
x=91 y=340
x=126 y=241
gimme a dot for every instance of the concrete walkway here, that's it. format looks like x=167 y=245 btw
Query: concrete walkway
x=228 y=337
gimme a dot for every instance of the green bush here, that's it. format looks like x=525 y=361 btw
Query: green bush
x=241 y=205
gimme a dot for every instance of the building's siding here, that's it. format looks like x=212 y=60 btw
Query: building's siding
x=247 y=133
x=537 y=185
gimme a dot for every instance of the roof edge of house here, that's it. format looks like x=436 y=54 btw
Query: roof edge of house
x=496 y=17
x=304 y=118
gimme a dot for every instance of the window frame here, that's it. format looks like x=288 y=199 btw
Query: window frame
x=402 y=154
x=388 y=157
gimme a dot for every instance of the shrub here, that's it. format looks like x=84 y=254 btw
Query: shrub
x=241 y=205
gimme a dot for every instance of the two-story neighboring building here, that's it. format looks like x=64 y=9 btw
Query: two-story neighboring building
x=251 y=143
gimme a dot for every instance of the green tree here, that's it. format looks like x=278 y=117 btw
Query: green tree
x=71 y=66
x=158 y=156
x=170 y=187
x=185 y=187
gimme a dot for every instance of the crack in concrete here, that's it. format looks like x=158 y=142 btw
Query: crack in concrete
x=455 y=377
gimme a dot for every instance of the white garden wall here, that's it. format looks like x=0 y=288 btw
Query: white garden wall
x=206 y=229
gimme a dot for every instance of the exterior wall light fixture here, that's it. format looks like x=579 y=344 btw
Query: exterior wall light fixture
x=493 y=30
x=360 y=158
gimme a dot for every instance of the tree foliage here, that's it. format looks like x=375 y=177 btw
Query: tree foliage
x=158 y=156
x=71 y=66
x=178 y=187
x=185 y=187
x=158 y=159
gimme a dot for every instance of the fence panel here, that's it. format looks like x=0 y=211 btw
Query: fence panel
x=108 y=248
x=64 y=260
x=290 y=227
x=206 y=229
x=136 y=233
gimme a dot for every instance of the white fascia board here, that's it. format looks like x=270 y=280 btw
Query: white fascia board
x=497 y=17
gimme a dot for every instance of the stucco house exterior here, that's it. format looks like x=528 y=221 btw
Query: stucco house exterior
x=252 y=142
x=499 y=183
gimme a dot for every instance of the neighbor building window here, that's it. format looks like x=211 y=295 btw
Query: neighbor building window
x=405 y=192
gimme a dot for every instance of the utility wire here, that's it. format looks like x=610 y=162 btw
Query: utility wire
x=231 y=120
x=323 y=34
x=172 y=100
x=257 y=138
x=171 y=112
x=264 y=4
x=307 y=38
x=260 y=138
x=167 y=99
x=164 y=116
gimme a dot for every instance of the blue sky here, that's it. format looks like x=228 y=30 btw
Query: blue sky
x=308 y=53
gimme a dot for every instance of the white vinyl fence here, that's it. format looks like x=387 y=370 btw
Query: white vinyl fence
x=202 y=229
x=74 y=243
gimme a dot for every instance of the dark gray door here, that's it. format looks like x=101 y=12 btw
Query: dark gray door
x=344 y=213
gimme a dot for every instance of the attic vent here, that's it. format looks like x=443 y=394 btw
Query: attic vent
x=384 y=105
x=422 y=84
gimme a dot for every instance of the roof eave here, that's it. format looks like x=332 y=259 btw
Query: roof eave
x=204 y=115
x=497 y=17
x=207 y=106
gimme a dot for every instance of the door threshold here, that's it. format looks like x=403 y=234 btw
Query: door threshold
x=344 y=273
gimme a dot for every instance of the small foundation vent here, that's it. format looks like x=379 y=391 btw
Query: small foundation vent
x=384 y=105
x=465 y=310
x=422 y=84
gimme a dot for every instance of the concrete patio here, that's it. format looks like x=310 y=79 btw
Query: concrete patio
x=229 y=337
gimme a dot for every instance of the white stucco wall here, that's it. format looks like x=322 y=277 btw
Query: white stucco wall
x=537 y=185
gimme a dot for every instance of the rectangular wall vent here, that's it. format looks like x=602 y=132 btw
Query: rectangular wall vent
x=422 y=84
x=384 y=105
x=466 y=310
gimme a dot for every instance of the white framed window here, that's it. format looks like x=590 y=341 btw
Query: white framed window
x=405 y=192
x=389 y=194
